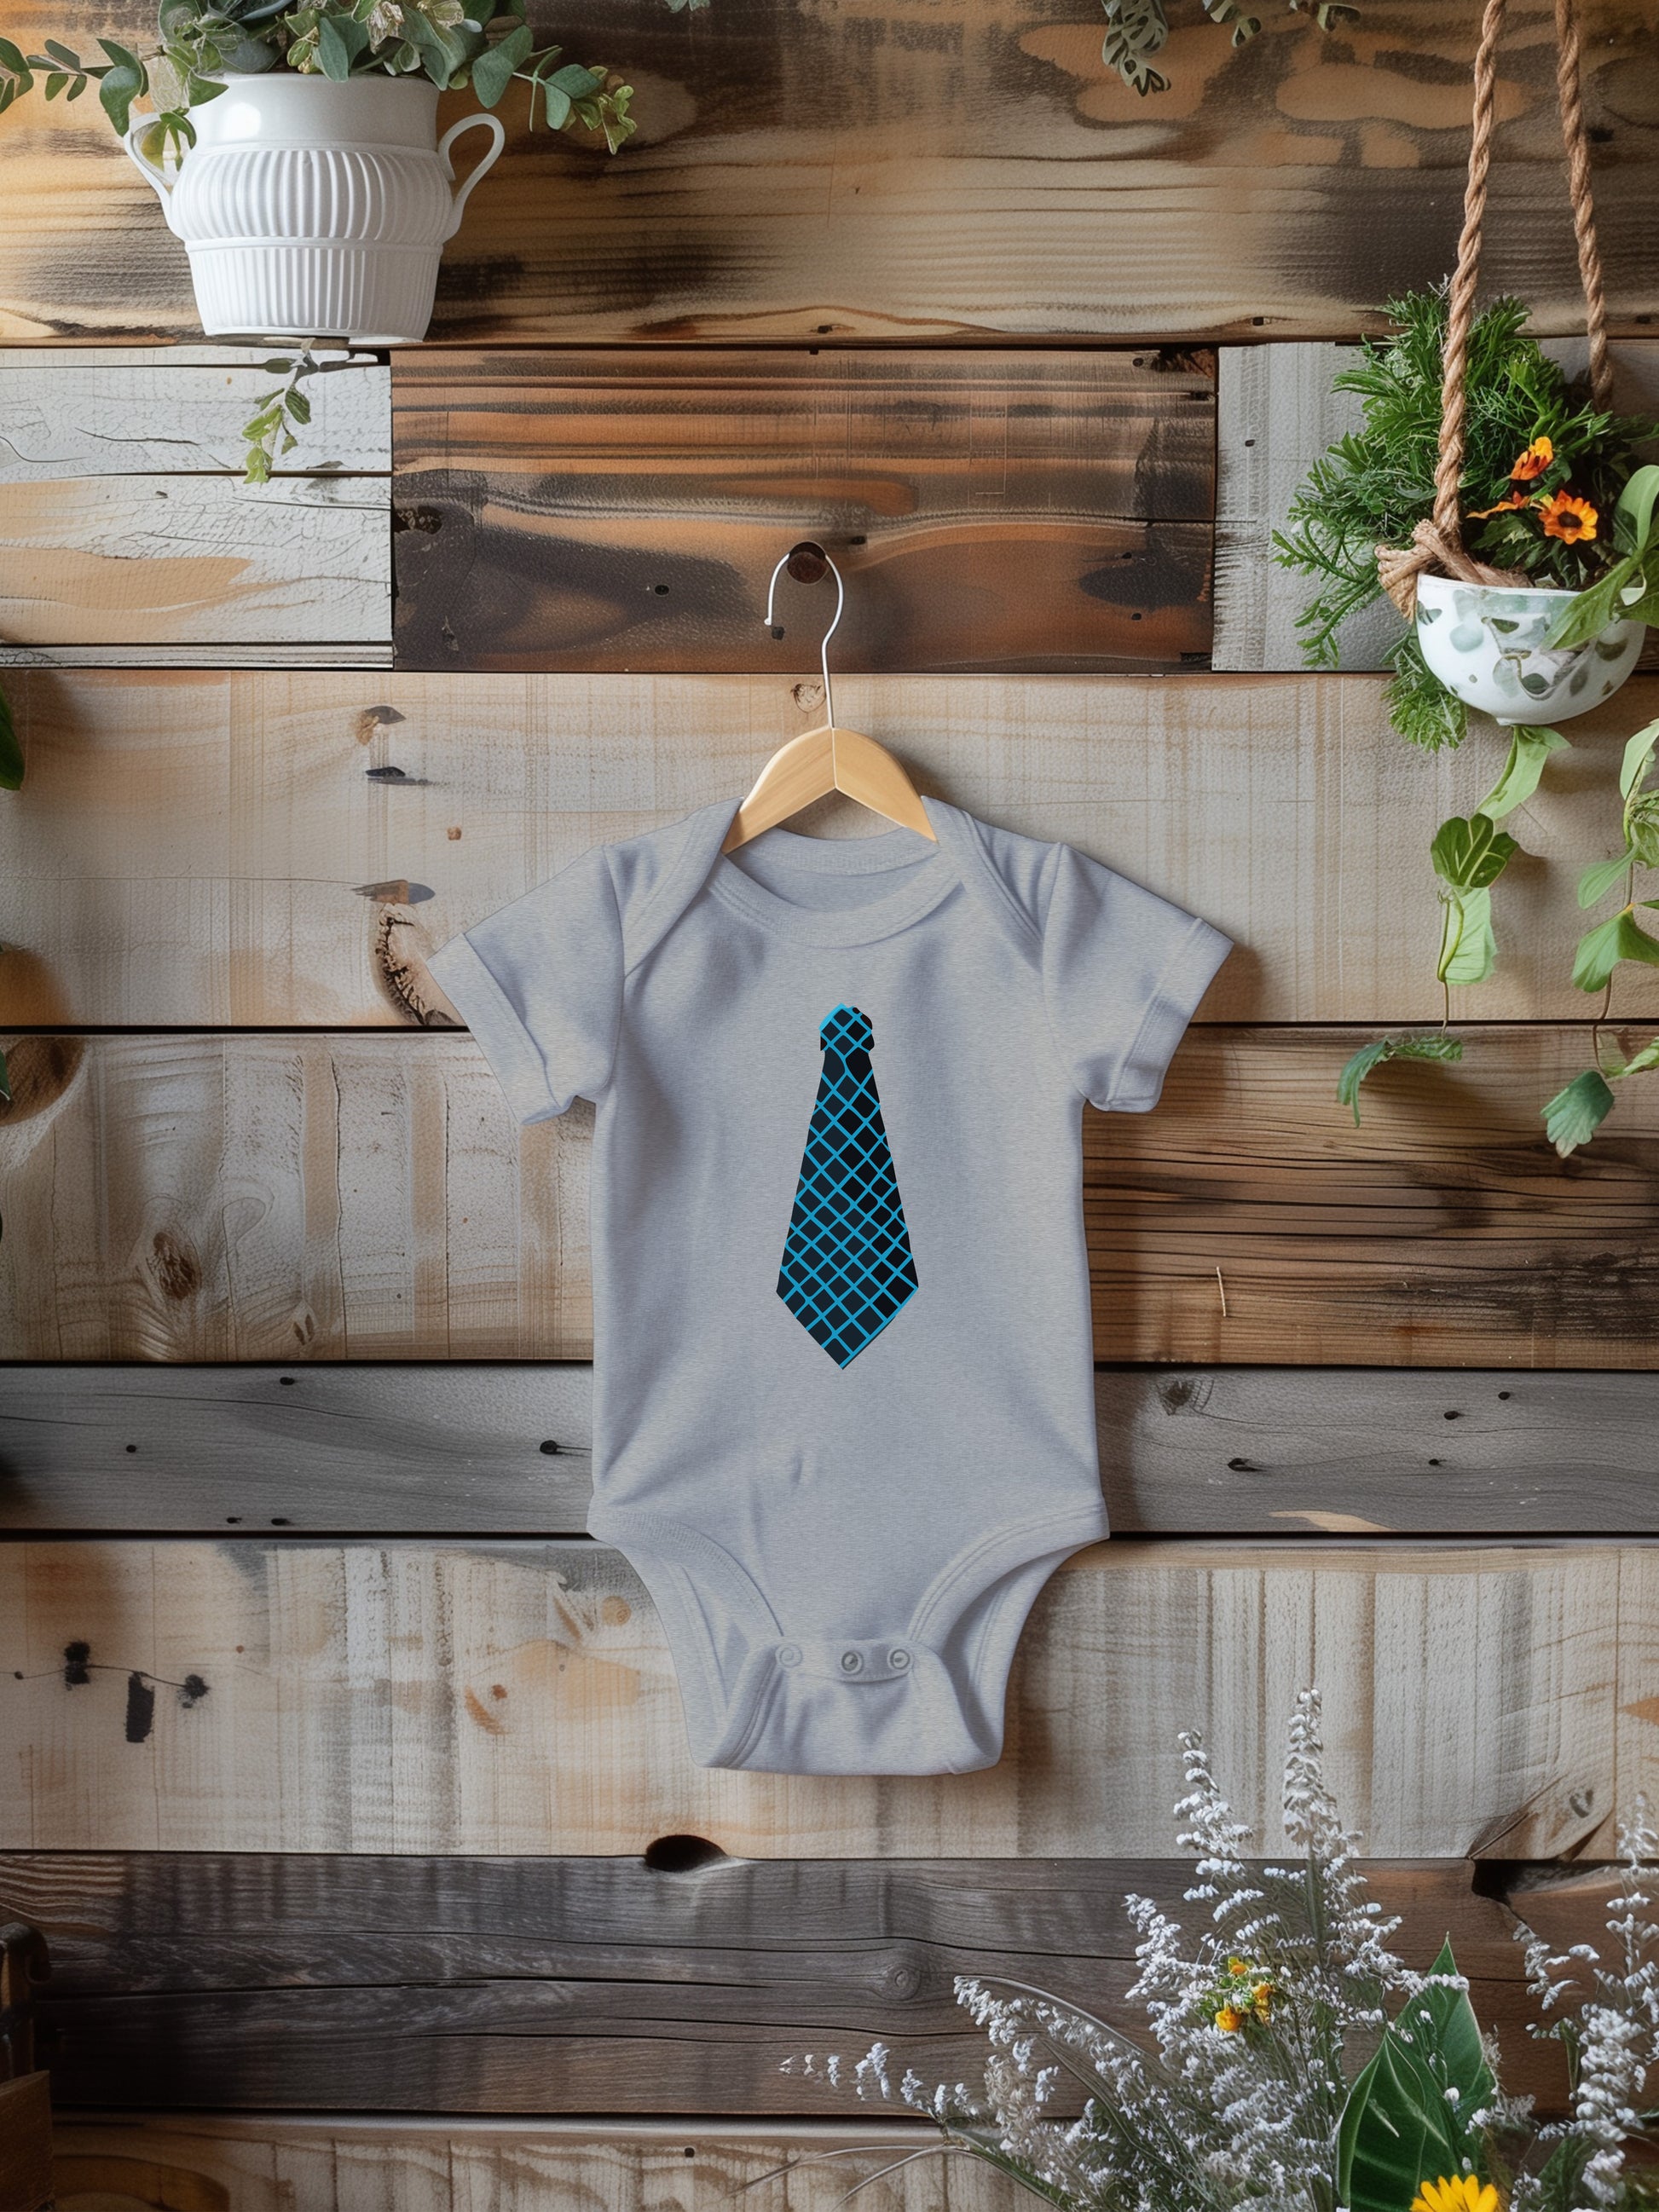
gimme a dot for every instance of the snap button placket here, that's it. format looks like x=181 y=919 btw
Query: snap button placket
x=898 y=1658
x=852 y=1663
x=789 y=1655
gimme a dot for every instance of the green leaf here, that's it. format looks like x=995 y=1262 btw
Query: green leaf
x=1528 y=750
x=1641 y=1063
x=340 y=39
x=1468 y=943
x=439 y=56
x=1573 y=1115
x=492 y=71
x=1596 y=883
x=1399 y=2129
x=118 y=91
x=1436 y=1046
x=1602 y=948
x=1469 y=854
x=61 y=53
x=298 y=406
x=12 y=58
x=1638 y=759
x=1634 y=512
x=11 y=752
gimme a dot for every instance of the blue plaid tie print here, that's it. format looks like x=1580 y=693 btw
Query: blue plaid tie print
x=846 y=1265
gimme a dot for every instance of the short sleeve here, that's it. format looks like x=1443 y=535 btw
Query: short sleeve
x=1123 y=971
x=539 y=984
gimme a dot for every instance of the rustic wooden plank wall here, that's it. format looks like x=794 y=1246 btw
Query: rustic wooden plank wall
x=340 y=1196
x=406 y=1984
x=949 y=172
x=342 y=1771
x=126 y=532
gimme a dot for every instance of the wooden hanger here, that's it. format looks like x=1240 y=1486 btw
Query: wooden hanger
x=829 y=758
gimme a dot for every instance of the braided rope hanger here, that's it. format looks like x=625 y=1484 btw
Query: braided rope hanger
x=1438 y=542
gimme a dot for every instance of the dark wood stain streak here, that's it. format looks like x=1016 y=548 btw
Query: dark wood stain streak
x=1036 y=511
x=548 y=1985
x=140 y=1708
x=453 y=1449
x=803 y=174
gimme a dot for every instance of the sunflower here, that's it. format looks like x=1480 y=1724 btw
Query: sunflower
x=1464 y=2192
x=1569 y=519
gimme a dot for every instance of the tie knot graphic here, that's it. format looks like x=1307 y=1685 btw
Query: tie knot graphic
x=847 y=1030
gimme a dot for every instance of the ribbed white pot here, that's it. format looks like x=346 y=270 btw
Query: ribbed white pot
x=315 y=209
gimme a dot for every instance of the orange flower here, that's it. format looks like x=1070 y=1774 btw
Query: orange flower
x=1229 y=2019
x=1503 y=507
x=1533 y=462
x=1569 y=519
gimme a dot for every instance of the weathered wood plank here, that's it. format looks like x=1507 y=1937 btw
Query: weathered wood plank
x=454 y=1449
x=191 y=848
x=271 y=2164
x=312 y=1696
x=302 y=1196
x=546 y=1984
x=167 y=411
x=270 y=653
x=1276 y=414
x=26 y=2172
x=958 y=170
x=588 y=511
x=127 y=560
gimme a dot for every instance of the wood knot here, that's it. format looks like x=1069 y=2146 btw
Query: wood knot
x=174 y=1264
x=40 y=1070
x=400 y=961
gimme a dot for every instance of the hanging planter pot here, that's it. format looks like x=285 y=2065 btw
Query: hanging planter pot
x=1524 y=652
x=316 y=208
x=1488 y=643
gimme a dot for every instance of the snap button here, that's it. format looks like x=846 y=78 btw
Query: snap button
x=788 y=1655
x=898 y=1658
x=852 y=1663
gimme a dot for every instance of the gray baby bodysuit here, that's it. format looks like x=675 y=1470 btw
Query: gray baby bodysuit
x=844 y=1420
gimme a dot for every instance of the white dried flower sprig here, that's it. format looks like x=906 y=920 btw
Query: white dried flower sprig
x=1232 y=2101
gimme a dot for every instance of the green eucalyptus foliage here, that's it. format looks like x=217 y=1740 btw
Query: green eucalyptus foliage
x=1374 y=486
x=1138 y=29
x=1411 y=2116
x=1630 y=589
x=484 y=43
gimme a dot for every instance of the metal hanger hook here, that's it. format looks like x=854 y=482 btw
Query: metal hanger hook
x=824 y=648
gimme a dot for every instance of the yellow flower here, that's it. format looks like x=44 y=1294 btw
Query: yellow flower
x=1464 y=2192
x=1533 y=462
x=1236 y=1966
x=1569 y=519
x=1262 y=2000
x=1229 y=2019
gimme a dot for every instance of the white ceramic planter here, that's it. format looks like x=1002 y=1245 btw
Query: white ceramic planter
x=1486 y=644
x=315 y=209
